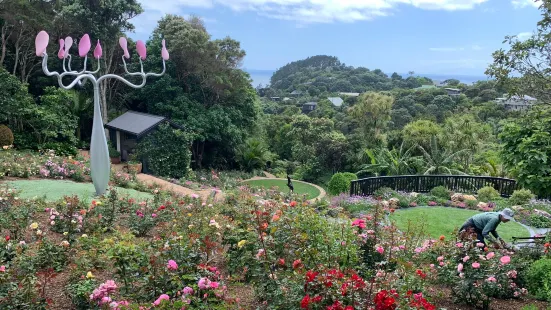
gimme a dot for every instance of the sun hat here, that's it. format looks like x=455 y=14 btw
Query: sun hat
x=507 y=214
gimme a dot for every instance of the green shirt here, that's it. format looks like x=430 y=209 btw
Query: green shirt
x=487 y=222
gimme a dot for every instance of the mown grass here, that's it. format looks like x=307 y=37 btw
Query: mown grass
x=300 y=188
x=437 y=221
x=54 y=190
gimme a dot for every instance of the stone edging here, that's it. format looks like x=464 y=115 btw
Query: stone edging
x=320 y=196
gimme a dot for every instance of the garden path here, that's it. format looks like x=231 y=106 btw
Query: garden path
x=165 y=185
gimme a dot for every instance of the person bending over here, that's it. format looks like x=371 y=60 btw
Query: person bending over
x=485 y=224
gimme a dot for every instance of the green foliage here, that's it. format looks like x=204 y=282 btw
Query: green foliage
x=487 y=194
x=113 y=153
x=521 y=197
x=438 y=160
x=166 y=151
x=539 y=279
x=526 y=149
x=80 y=292
x=389 y=162
x=253 y=155
x=539 y=221
x=421 y=132
x=6 y=136
x=440 y=192
x=373 y=112
x=340 y=182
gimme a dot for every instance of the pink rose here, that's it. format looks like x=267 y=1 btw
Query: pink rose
x=480 y=245
x=466 y=258
x=491 y=279
x=214 y=284
x=203 y=283
x=154 y=215
x=476 y=265
x=380 y=250
x=490 y=255
x=171 y=265
x=505 y=260
x=187 y=290
x=160 y=299
x=459 y=267
x=440 y=258
x=459 y=245
x=2 y=268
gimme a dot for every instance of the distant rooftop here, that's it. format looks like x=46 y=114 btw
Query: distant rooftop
x=135 y=123
x=349 y=94
x=452 y=89
x=426 y=87
x=336 y=101
x=296 y=92
x=311 y=103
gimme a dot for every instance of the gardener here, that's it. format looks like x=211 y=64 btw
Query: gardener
x=485 y=224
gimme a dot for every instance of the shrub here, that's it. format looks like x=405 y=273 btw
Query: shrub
x=521 y=197
x=167 y=152
x=440 y=192
x=385 y=193
x=113 y=153
x=59 y=148
x=472 y=204
x=340 y=182
x=6 y=136
x=487 y=193
x=539 y=279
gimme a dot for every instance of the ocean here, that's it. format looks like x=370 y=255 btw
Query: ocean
x=263 y=77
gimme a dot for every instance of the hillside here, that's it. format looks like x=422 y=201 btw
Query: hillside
x=318 y=74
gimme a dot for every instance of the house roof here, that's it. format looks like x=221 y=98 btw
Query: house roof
x=311 y=103
x=336 y=101
x=524 y=97
x=452 y=89
x=426 y=87
x=349 y=94
x=135 y=123
x=296 y=92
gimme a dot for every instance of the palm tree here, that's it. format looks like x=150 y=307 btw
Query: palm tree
x=439 y=160
x=253 y=155
x=389 y=162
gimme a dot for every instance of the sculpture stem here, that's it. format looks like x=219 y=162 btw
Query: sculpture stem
x=100 y=164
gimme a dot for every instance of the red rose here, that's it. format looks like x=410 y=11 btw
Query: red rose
x=305 y=302
x=293 y=203
x=8 y=238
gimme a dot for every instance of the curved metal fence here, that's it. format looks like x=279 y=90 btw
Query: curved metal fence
x=424 y=183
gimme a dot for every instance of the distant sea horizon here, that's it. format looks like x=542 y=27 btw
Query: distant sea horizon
x=263 y=76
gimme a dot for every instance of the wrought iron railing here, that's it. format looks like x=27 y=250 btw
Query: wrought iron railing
x=424 y=183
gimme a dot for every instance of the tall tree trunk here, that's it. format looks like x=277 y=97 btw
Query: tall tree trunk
x=5 y=35
x=17 y=49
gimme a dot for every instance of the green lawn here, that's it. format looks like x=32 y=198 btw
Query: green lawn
x=55 y=189
x=300 y=188
x=442 y=221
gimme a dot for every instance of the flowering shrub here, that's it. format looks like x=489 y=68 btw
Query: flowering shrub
x=476 y=274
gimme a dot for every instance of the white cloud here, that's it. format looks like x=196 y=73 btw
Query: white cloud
x=476 y=47
x=524 y=36
x=518 y=4
x=312 y=11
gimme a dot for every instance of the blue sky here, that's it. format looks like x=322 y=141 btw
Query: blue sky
x=425 y=36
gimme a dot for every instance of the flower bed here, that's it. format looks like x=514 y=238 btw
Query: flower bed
x=174 y=252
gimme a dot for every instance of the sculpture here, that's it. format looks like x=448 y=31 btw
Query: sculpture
x=99 y=154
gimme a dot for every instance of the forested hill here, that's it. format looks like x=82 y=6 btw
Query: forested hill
x=318 y=74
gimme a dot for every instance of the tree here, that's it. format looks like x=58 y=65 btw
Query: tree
x=527 y=59
x=103 y=20
x=253 y=155
x=438 y=160
x=373 y=112
x=389 y=162
x=527 y=150
x=421 y=132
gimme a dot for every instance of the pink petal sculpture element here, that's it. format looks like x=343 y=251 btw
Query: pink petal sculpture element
x=41 y=42
x=124 y=46
x=68 y=45
x=84 y=45
x=61 y=53
x=164 y=51
x=140 y=47
x=98 y=51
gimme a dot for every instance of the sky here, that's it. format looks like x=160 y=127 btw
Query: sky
x=425 y=36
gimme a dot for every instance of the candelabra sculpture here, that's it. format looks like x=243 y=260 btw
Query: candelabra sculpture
x=99 y=153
